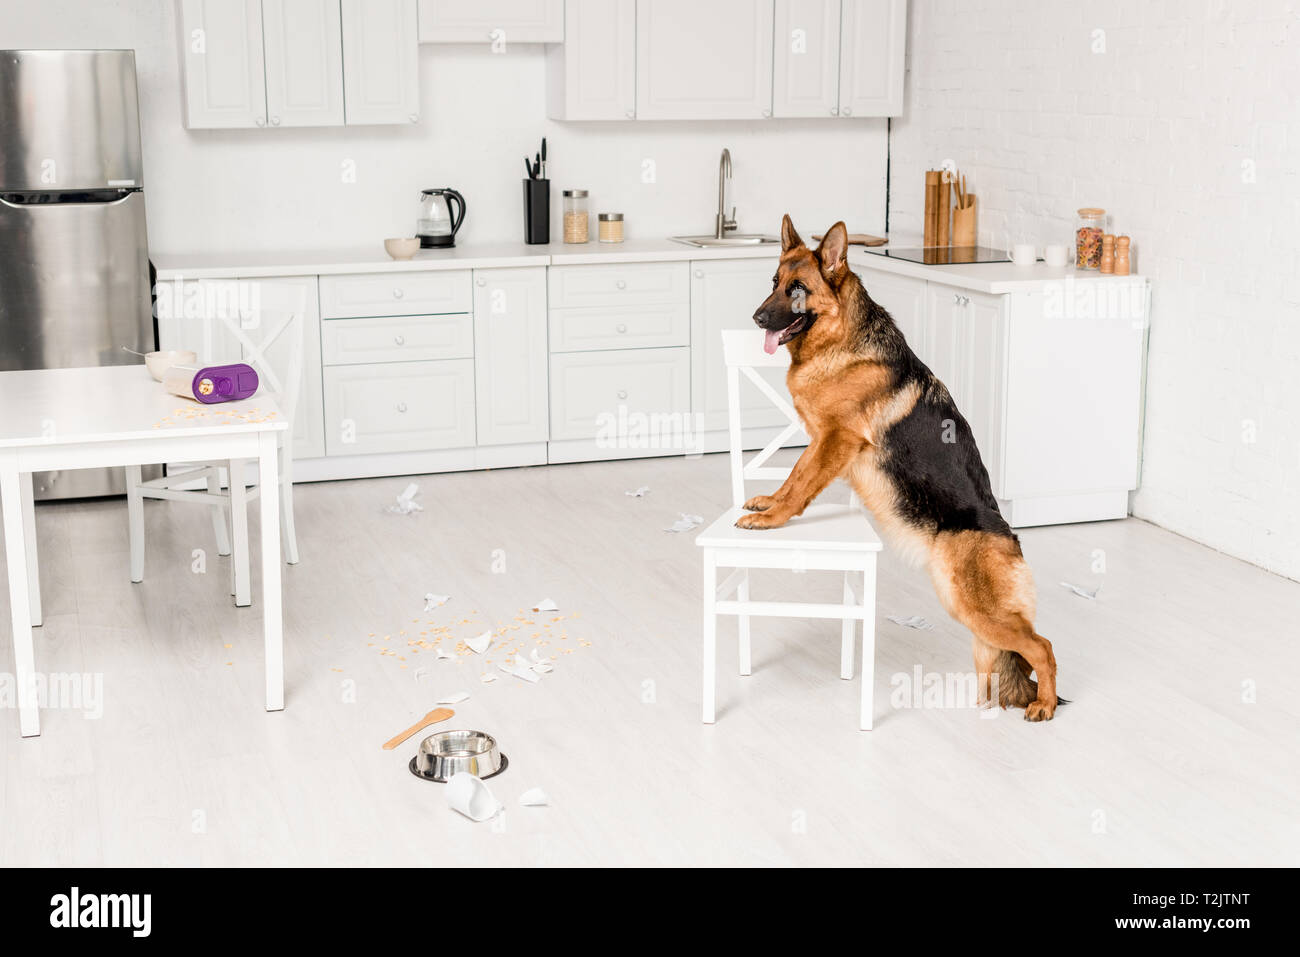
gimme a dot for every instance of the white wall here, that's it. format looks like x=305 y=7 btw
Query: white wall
x=1163 y=129
x=481 y=114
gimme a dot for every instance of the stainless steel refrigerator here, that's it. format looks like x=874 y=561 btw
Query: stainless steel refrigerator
x=74 y=267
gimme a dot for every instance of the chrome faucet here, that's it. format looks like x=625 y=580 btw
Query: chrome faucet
x=722 y=225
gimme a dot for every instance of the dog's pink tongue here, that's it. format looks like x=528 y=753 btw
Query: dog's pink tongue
x=772 y=340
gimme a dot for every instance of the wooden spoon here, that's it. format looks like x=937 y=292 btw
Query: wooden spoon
x=433 y=717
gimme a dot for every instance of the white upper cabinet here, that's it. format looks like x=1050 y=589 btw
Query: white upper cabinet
x=281 y=63
x=224 y=76
x=806 y=58
x=704 y=61
x=381 y=75
x=499 y=22
x=304 y=62
x=592 y=75
x=873 y=34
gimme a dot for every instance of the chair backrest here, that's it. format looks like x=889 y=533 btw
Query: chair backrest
x=743 y=352
x=265 y=318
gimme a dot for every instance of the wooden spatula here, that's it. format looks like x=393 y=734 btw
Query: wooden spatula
x=433 y=717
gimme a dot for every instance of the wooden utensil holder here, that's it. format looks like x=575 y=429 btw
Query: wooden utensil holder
x=963 y=223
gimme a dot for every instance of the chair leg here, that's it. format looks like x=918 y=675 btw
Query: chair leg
x=710 y=636
x=742 y=594
x=289 y=533
x=27 y=497
x=239 y=532
x=846 y=633
x=218 y=516
x=135 y=521
x=868 y=642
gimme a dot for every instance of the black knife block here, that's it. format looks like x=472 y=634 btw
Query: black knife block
x=537 y=211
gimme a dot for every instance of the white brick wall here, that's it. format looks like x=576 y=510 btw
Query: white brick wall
x=1185 y=126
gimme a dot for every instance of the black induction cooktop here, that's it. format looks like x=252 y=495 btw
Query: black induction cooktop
x=942 y=255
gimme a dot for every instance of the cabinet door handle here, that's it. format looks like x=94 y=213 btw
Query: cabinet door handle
x=399 y=340
x=275 y=121
x=622 y=327
x=846 y=112
x=622 y=393
x=401 y=407
x=480 y=281
x=260 y=120
x=398 y=294
x=621 y=284
x=414 y=117
x=631 y=114
x=699 y=274
x=766 y=114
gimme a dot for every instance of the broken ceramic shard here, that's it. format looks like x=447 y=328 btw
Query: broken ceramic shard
x=455 y=698
x=912 y=621
x=685 y=523
x=546 y=605
x=432 y=601
x=480 y=644
x=534 y=797
x=468 y=795
x=1090 y=594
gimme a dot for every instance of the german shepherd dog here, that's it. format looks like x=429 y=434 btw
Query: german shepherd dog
x=878 y=417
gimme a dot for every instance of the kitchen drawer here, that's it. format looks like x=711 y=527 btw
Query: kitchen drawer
x=618 y=284
x=587 y=328
x=397 y=339
x=399 y=407
x=395 y=294
x=611 y=394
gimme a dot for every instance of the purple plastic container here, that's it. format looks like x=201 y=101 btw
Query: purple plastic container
x=211 y=384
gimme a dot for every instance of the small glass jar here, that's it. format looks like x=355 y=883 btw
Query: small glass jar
x=610 y=229
x=576 y=219
x=1088 y=230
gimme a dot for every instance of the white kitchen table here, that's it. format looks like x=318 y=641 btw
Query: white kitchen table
x=117 y=415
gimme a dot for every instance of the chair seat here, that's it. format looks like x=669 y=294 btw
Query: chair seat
x=828 y=528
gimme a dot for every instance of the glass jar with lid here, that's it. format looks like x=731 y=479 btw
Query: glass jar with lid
x=610 y=227
x=1088 y=230
x=576 y=220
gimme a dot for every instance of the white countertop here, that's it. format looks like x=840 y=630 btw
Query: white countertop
x=253 y=265
x=992 y=278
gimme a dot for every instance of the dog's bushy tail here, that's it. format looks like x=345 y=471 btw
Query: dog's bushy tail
x=1015 y=688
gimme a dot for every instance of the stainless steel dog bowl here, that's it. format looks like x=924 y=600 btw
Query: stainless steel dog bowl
x=449 y=752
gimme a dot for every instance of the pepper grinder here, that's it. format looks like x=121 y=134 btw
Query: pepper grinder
x=1122 y=256
x=1107 y=254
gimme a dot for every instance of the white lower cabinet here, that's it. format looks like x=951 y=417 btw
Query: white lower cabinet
x=724 y=295
x=634 y=400
x=399 y=407
x=510 y=354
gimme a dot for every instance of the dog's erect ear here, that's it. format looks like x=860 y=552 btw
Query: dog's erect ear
x=834 y=249
x=789 y=238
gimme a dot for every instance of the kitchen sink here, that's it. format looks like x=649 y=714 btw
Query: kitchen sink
x=741 y=239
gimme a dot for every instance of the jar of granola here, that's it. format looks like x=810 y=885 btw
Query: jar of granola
x=1089 y=229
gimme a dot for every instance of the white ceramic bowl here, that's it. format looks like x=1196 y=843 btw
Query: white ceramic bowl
x=159 y=362
x=403 y=248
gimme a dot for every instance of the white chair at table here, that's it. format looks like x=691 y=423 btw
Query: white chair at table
x=279 y=317
x=825 y=537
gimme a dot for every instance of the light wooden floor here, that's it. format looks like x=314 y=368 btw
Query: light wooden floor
x=1158 y=760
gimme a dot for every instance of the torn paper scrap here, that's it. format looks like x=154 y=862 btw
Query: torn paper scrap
x=540 y=664
x=485 y=677
x=534 y=797
x=480 y=644
x=638 y=492
x=520 y=668
x=1090 y=594
x=471 y=797
x=455 y=698
x=546 y=605
x=432 y=601
x=685 y=523
x=911 y=621
x=406 y=503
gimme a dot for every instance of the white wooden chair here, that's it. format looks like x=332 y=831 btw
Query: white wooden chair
x=278 y=318
x=825 y=537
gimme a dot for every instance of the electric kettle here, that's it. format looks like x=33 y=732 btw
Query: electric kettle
x=438 y=220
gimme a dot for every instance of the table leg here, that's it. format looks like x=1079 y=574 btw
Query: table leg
x=868 y=643
x=29 y=539
x=239 y=533
x=16 y=528
x=268 y=478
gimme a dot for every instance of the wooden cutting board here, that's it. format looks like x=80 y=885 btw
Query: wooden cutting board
x=861 y=239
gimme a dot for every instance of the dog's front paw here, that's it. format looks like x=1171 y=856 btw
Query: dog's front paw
x=761 y=520
x=1039 y=711
x=760 y=503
